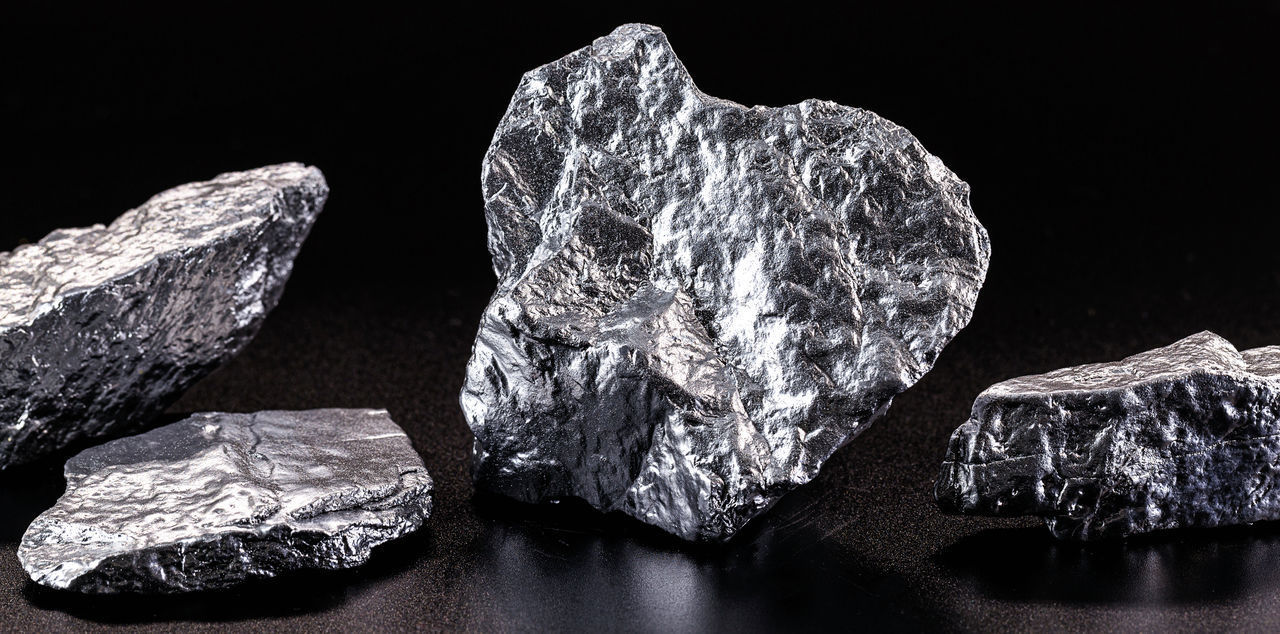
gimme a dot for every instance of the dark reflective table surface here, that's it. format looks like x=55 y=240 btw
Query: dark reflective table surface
x=861 y=546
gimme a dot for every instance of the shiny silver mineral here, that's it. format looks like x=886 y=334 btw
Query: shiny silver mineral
x=216 y=499
x=699 y=302
x=101 y=328
x=1185 y=435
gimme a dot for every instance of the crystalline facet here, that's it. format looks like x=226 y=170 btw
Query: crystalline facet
x=101 y=328
x=216 y=499
x=1187 y=435
x=699 y=302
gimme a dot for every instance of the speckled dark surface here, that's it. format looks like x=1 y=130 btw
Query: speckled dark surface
x=1122 y=164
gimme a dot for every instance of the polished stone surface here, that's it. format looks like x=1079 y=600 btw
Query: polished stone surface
x=217 y=499
x=103 y=327
x=699 y=302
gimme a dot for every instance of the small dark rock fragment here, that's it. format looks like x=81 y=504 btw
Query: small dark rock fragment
x=1187 y=435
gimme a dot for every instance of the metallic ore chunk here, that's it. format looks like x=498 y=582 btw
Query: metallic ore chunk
x=101 y=328
x=699 y=302
x=1185 y=435
x=216 y=499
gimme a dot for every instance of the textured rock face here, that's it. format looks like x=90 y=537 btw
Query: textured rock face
x=699 y=302
x=216 y=499
x=1185 y=435
x=101 y=328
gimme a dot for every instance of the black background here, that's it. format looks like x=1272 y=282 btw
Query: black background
x=1123 y=161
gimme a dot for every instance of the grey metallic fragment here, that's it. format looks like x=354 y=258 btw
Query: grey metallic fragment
x=1182 y=436
x=216 y=499
x=101 y=328
x=698 y=302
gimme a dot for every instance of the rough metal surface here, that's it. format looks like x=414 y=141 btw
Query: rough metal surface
x=699 y=302
x=216 y=499
x=1185 y=435
x=101 y=328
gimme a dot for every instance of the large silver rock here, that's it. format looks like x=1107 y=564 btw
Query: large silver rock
x=101 y=328
x=1185 y=435
x=699 y=302
x=216 y=499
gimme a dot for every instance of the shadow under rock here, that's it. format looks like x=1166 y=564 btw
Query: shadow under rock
x=1184 y=567
x=565 y=566
x=25 y=492
x=294 y=593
